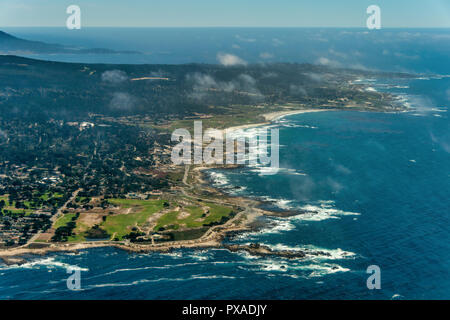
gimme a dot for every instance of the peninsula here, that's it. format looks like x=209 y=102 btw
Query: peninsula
x=85 y=149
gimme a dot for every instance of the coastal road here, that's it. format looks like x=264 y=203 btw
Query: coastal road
x=54 y=217
x=64 y=206
x=186 y=173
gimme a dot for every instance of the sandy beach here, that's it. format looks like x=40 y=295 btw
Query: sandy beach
x=273 y=116
x=212 y=238
x=270 y=117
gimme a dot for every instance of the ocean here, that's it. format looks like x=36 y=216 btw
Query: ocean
x=372 y=188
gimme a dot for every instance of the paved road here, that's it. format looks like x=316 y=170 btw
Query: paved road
x=186 y=172
x=54 y=217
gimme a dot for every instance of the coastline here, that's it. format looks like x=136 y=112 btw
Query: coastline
x=271 y=117
x=211 y=239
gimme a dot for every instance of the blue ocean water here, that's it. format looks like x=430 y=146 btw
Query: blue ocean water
x=410 y=50
x=374 y=189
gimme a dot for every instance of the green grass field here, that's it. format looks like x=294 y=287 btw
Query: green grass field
x=64 y=220
x=121 y=224
x=11 y=206
x=170 y=221
x=117 y=225
x=238 y=115
x=48 y=195
x=167 y=221
x=31 y=206
x=217 y=212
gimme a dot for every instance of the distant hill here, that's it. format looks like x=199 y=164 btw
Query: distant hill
x=36 y=88
x=10 y=44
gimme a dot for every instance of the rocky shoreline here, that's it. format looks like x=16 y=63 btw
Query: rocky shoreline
x=211 y=239
x=264 y=251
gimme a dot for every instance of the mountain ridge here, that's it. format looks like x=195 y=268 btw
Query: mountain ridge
x=10 y=44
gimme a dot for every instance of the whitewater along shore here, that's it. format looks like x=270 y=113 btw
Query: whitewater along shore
x=271 y=117
x=242 y=221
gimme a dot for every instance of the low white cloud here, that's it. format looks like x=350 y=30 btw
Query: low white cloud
x=277 y=42
x=297 y=90
x=406 y=56
x=3 y=134
x=266 y=55
x=443 y=142
x=421 y=104
x=315 y=76
x=342 y=169
x=327 y=62
x=227 y=59
x=114 y=76
x=122 y=101
x=337 y=53
x=359 y=66
x=269 y=74
x=205 y=85
x=335 y=186
x=245 y=39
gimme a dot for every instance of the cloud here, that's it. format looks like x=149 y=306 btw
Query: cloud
x=335 y=186
x=205 y=85
x=114 y=76
x=342 y=169
x=266 y=55
x=337 y=53
x=297 y=90
x=443 y=142
x=327 y=62
x=244 y=39
x=302 y=189
x=228 y=59
x=269 y=74
x=277 y=42
x=247 y=83
x=323 y=61
x=421 y=104
x=441 y=36
x=406 y=56
x=3 y=134
x=359 y=66
x=160 y=73
x=122 y=101
x=315 y=76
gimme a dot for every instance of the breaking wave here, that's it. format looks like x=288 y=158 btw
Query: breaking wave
x=49 y=263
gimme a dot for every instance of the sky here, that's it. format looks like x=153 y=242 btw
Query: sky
x=226 y=13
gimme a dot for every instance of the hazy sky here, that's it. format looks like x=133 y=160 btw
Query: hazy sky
x=240 y=13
